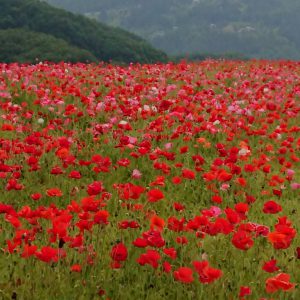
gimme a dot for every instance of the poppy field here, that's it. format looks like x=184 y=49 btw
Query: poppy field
x=163 y=181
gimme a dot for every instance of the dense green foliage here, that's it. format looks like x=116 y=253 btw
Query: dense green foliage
x=262 y=29
x=98 y=41
x=27 y=46
x=204 y=56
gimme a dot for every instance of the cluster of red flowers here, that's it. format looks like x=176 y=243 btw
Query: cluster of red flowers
x=193 y=153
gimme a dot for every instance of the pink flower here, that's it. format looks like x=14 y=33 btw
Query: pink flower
x=290 y=173
x=225 y=186
x=295 y=186
x=168 y=146
x=136 y=174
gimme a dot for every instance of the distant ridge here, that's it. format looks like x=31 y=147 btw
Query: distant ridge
x=31 y=29
x=253 y=28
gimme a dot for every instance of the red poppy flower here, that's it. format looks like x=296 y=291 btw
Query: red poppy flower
x=56 y=171
x=245 y=291
x=178 y=206
x=224 y=176
x=270 y=266
x=76 y=268
x=95 y=188
x=216 y=199
x=271 y=207
x=54 y=192
x=184 y=274
x=282 y=237
x=157 y=223
x=160 y=180
x=48 y=254
x=124 y=162
x=140 y=243
x=119 y=252
x=29 y=250
x=182 y=240
x=242 y=240
x=171 y=252
x=167 y=267
x=7 y=127
x=188 y=174
x=36 y=196
x=154 y=238
x=206 y=273
x=155 y=195
x=176 y=225
x=13 y=184
x=279 y=282
x=101 y=217
x=241 y=181
x=90 y=204
x=151 y=257
x=75 y=174
x=176 y=180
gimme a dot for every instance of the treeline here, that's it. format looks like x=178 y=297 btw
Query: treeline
x=21 y=45
x=32 y=30
x=204 y=56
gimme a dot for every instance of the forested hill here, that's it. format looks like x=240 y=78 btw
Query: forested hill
x=255 y=28
x=31 y=29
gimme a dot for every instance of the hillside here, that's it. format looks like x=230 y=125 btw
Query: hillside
x=83 y=38
x=20 y=45
x=262 y=29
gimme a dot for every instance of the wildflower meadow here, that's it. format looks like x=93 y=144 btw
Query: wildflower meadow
x=162 y=181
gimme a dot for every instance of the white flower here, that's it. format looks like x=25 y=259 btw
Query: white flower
x=41 y=121
x=146 y=107
x=154 y=108
x=243 y=152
